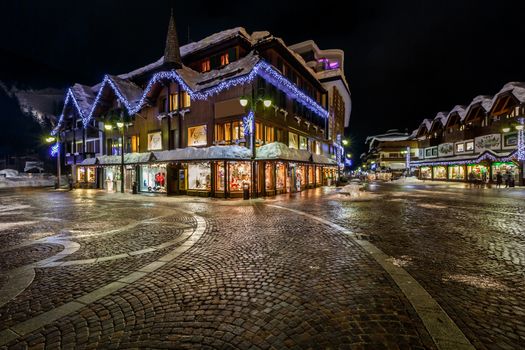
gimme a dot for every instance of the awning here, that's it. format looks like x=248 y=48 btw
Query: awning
x=279 y=151
x=205 y=153
x=88 y=161
x=470 y=158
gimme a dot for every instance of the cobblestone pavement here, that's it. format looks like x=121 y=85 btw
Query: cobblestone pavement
x=258 y=276
x=466 y=247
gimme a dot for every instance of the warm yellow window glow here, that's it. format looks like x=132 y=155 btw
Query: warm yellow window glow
x=205 y=66
x=225 y=59
x=186 y=100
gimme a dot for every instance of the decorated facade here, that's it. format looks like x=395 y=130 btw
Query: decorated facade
x=475 y=142
x=232 y=111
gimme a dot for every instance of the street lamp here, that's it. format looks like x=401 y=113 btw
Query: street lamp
x=249 y=126
x=120 y=125
x=55 y=151
x=346 y=142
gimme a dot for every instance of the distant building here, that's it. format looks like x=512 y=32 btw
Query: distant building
x=389 y=152
x=177 y=126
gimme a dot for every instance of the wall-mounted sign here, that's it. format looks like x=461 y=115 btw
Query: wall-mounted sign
x=446 y=149
x=492 y=141
x=155 y=141
x=197 y=136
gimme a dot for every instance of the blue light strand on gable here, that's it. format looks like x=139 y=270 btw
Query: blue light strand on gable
x=262 y=69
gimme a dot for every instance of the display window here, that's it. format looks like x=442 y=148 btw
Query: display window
x=280 y=178
x=111 y=176
x=91 y=174
x=505 y=169
x=303 y=143
x=310 y=175
x=426 y=172
x=456 y=172
x=81 y=174
x=318 y=177
x=199 y=176
x=477 y=171
x=300 y=176
x=153 y=178
x=440 y=172
x=239 y=174
x=219 y=176
x=269 y=176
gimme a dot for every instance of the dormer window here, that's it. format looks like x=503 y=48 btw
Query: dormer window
x=225 y=59
x=205 y=66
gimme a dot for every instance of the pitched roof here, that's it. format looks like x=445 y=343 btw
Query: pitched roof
x=172 y=49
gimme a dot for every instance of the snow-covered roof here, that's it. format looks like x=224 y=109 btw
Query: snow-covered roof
x=390 y=135
x=199 y=81
x=84 y=96
x=460 y=110
x=89 y=161
x=128 y=89
x=278 y=150
x=194 y=153
x=441 y=117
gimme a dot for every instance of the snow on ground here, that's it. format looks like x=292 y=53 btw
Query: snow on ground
x=409 y=179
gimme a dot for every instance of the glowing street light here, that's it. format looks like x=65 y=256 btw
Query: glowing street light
x=243 y=101
x=267 y=103
x=108 y=126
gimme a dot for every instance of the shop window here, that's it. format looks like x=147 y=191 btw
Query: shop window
x=219 y=176
x=293 y=140
x=225 y=59
x=197 y=136
x=199 y=176
x=318 y=175
x=155 y=141
x=153 y=178
x=280 y=178
x=81 y=174
x=456 y=172
x=303 y=143
x=205 y=66
x=269 y=176
x=425 y=172
x=240 y=174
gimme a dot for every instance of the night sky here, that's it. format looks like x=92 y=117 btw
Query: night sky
x=404 y=60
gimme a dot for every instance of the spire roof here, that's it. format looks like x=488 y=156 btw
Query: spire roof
x=172 y=50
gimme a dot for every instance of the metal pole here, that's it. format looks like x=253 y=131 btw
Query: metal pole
x=122 y=161
x=59 y=170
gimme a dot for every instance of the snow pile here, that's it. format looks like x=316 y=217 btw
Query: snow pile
x=353 y=189
x=8 y=173
x=408 y=179
x=278 y=150
x=213 y=152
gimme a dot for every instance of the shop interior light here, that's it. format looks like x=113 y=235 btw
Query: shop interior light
x=267 y=103
x=505 y=129
x=243 y=101
x=108 y=126
x=120 y=124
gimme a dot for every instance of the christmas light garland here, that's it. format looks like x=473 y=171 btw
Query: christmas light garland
x=55 y=150
x=521 y=141
x=484 y=156
x=248 y=123
x=261 y=69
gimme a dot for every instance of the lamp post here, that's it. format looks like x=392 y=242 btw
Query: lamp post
x=249 y=126
x=55 y=151
x=120 y=126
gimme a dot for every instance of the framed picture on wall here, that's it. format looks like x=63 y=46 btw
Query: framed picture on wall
x=197 y=136
x=155 y=141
